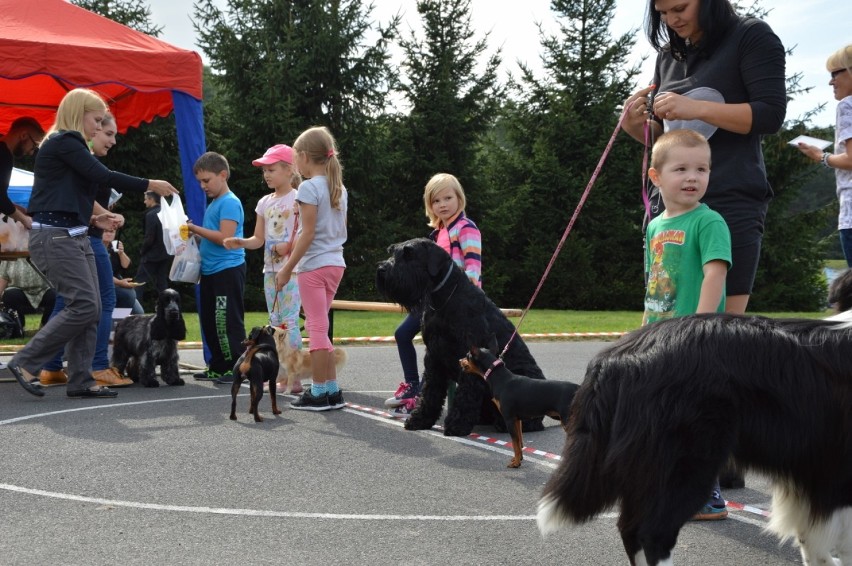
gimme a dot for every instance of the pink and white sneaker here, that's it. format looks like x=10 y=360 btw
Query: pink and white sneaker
x=405 y=408
x=396 y=400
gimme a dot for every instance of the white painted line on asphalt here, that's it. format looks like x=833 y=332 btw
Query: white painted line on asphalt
x=261 y=512
x=106 y=406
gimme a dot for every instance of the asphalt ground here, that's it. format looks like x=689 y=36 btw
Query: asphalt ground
x=162 y=476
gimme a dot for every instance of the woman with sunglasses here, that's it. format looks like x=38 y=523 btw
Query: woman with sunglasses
x=838 y=66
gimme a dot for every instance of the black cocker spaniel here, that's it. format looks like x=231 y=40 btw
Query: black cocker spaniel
x=142 y=342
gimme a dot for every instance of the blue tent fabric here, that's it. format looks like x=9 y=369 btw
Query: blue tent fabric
x=191 y=144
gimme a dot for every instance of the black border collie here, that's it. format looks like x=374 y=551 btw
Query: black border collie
x=662 y=410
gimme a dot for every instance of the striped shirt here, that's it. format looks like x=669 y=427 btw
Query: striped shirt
x=463 y=241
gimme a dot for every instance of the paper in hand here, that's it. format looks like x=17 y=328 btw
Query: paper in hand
x=822 y=144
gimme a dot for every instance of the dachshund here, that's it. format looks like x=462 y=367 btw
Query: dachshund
x=144 y=341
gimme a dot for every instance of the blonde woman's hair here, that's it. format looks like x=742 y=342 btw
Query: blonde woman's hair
x=295 y=180
x=436 y=184
x=319 y=146
x=74 y=105
x=840 y=59
x=672 y=139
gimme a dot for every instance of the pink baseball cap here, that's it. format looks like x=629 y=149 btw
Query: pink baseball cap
x=274 y=154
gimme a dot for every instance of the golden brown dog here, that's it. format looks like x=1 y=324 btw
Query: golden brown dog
x=296 y=364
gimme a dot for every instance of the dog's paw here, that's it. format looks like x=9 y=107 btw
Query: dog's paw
x=515 y=463
x=414 y=423
x=178 y=381
x=456 y=431
x=152 y=383
x=456 y=426
x=233 y=417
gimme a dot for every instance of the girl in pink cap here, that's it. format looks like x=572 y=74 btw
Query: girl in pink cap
x=275 y=230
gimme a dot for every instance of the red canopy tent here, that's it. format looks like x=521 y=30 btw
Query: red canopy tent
x=48 y=47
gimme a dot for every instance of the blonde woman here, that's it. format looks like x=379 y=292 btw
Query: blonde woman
x=67 y=178
x=838 y=66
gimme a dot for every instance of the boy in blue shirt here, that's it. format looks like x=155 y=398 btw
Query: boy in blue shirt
x=223 y=271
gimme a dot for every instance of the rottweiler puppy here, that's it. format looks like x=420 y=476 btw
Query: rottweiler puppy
x=518 y=397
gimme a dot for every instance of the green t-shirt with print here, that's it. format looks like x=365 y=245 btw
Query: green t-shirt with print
x=677 y=249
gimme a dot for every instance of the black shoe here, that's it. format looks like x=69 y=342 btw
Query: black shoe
x=225 y=379
x=100 y=393
x=32 y=387
x=307 y=402
x=335 y=401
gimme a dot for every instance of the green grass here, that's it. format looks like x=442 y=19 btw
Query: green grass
x=352 y=324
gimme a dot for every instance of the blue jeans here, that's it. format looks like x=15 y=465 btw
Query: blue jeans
x=107 y=294
x=404 y=336
x=125 y=298
x=846 y=243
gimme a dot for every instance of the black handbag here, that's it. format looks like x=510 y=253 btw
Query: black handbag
x=10 y=323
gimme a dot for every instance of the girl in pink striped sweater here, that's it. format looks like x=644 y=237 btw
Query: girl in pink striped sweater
x=444 y=201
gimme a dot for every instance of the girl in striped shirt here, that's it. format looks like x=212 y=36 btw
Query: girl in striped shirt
x=444 y=201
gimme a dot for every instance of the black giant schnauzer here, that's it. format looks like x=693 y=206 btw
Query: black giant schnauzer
x=456 y=313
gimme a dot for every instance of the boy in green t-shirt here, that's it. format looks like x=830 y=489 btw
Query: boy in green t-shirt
x=688 y=247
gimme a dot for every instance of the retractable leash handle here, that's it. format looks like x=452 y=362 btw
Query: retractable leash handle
x=561 y=243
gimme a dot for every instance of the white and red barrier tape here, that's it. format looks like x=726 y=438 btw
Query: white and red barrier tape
x=560 y=335
x=541 y=453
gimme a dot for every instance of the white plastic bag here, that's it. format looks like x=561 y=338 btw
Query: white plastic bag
x=172 y=217
x=186 y=267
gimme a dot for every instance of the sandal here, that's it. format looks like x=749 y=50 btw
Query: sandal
x=99 y=393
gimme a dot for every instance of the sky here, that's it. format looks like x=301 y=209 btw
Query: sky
x=814 y=29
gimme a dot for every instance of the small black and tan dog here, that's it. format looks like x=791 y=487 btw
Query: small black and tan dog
x=518 y=397
x=258 y=364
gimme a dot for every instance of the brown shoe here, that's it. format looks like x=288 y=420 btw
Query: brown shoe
x=49 y=378
x=109 y=378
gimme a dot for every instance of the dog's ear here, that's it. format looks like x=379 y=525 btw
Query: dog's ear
x=437 y=260
x=159 y=328
x=492 y=344
x=178 y=329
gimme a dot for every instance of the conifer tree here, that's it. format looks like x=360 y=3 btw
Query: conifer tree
x=450 y=88
x=540 y=159
x=281 y=66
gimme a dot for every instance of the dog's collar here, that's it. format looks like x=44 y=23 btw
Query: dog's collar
x=445 y=279
x=497 y=363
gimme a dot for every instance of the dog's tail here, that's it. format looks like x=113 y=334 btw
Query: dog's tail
x=579 y=489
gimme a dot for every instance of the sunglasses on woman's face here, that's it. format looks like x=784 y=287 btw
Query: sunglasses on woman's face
x=837 y=72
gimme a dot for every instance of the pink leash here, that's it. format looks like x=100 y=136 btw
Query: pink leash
x=570 y=226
